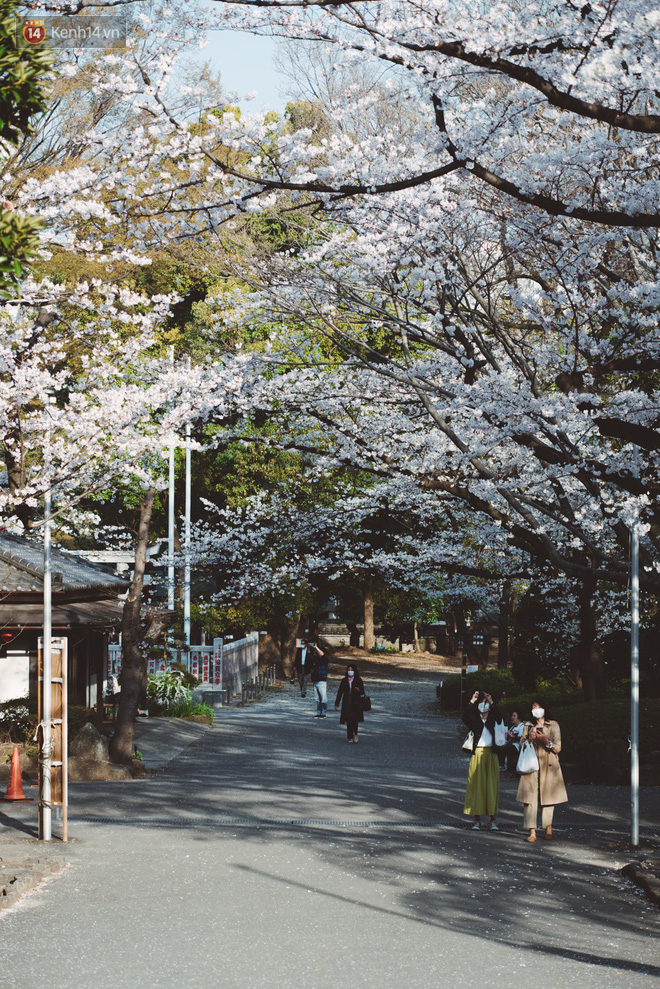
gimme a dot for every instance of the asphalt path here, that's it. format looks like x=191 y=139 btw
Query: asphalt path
x=271 y=852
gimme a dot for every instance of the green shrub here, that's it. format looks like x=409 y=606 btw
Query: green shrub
x=186 y=709
x=491 y=681
x=605 y=721
x=165 y=689
x=189 y=681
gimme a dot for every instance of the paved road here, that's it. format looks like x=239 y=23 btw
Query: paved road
x=271 y=853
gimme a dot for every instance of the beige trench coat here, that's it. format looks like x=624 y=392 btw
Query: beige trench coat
x=552 y=789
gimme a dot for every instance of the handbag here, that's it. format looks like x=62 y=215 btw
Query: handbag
x=468 y=744
x=365 y=702
x=528 y=761
x=500 y=734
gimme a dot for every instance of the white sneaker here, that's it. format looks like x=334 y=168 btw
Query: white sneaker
x=493 y=826
x=476 y=827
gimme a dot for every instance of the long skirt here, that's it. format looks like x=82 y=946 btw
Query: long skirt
x=483 y=783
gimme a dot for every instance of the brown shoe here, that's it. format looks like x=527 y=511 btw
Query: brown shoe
x=531 y=836
x=549 y=835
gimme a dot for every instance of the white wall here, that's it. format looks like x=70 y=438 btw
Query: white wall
x=14 y=675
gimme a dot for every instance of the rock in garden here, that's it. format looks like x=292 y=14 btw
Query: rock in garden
x=89 y=745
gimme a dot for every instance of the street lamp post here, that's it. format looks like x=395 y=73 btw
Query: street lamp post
x=634 y=675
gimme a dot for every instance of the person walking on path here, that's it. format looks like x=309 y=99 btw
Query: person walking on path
x=545 y=786
x=301 y=665
x=350 y=693
x=483 y=783
x=320 y=681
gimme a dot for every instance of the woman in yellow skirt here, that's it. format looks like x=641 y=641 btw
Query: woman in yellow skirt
x=483 y=782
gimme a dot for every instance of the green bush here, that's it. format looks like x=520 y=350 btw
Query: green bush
x=605 y=721
x=491 y=681
x=186 y=709
x=165 y=689
x=189 y=681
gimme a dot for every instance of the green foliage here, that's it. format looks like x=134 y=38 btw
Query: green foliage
x=605 y=721
x=23 y=73
x=19 y=243
x=493 y=682
x=189 y=681
x=165 y=689
x=188 y=709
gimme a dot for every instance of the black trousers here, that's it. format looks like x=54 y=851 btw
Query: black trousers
x=302 y=679
x=351 y=727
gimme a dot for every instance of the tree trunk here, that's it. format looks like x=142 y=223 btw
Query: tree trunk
x=503 y=654
x=369 y=635
x=588 y=654
x=133 y=663
x=287 y=639
x=416 y=635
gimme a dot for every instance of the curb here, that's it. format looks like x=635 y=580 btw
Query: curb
x=23 y=876
x=644 y=875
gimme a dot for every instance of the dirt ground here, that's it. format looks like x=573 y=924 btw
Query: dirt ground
x=400 y=666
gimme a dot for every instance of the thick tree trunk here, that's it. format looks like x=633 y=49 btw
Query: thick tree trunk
x=503 y=654
x=133 y=663
x=588 y=654
x=369 y=634
x=287 y=639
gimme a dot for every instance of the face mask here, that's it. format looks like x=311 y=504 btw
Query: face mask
x=350 y=674
x=538 y=712
x=484 y=707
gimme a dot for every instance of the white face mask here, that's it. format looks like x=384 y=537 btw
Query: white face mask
x=538 y=712
x=484 y=707
x=350 y=674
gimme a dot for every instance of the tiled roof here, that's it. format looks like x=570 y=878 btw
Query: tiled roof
x=96 y=614
x=22 y=569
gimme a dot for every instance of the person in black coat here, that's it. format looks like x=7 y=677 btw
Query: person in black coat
x=302 y=664
x=351 y=690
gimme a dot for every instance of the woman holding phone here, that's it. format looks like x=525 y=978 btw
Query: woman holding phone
x=545 y=786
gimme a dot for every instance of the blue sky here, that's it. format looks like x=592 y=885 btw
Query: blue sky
x=245 y=63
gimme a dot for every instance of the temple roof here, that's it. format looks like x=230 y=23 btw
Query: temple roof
x=22 y=570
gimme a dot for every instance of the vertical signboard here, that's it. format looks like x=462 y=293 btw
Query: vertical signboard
x=218 y=650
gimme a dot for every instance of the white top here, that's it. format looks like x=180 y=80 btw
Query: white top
x=486 y=739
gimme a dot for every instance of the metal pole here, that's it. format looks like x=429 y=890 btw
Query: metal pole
x=634 y=676
x=45 y=811
x=186 y=540
x=170 y=521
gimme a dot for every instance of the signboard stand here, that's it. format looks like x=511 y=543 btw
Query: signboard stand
x=58 y=797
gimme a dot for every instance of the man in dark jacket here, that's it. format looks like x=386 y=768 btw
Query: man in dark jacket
x=302 y=665
x=320 y=681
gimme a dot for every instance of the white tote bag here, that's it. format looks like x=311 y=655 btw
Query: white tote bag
x=500 y=734
x=528 y=761
x=468 y=744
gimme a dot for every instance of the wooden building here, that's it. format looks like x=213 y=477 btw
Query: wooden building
x=86 y=609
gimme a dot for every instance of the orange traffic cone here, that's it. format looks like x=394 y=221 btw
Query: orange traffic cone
x=15 y=788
